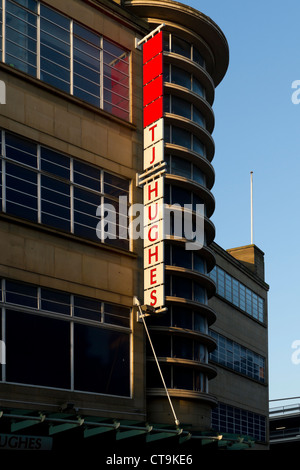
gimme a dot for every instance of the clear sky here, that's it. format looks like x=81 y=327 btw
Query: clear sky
x=258 y=129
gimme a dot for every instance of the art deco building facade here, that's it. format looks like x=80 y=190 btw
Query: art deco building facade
x=78 y=367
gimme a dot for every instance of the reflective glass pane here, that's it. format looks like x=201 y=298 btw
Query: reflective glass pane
x=197 y=57
x=87 y=308
x=21 y=38
x=21 y=150
x=116 y=315
x=55 y=49
x=116 y=79
x=181 y=167
x=21 y=294
x=86 y=52
x=55 y=163
x=181 y=77
x=101 y=361
x=181 y=107
x=55 y=203
x=85 y=207
x=55 y=301
x=181 y=137
x=87 y=175
x=182 y=347
x=37 y=350
x=21 y=192
x=180 y=46
x=181 y=257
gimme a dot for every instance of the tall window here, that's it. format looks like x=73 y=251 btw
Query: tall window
x=47 y=187
x=52 y=47
x=55 y=339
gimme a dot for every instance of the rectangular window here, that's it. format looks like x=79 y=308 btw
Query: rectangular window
x=115 y=80
x=87 y=65
x=50 y=188
x=55 y=49
x=21 y=37
x=53 y=336
x=52 y=47
x=238 y=294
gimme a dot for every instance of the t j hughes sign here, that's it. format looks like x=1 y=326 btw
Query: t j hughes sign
x=152 y=178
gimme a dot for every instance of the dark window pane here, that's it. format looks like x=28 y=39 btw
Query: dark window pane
x=182 y=287
x=182 y=347
x=37 y=350
x=116 y=315
x=199 y=263
x=181 y=107
x=55 y=163
x=153 y=377
x=180 y=196
x=21 y=192
x=101 y=361
x=21 y=150
x=197 y=87
x=87 y=175
x=21 y=34
x=182 y=378
x=115 y=186
x=199 y=293
x=181 y=257
x=85 y=207
x=181 y=77
x=182 y=318
x=181 y=137
x=86 y=51
x=87 y=308
x=55 y=49
x=55 y=301
x=180 y=46
x=198 y=176
x=197 y=57
x=181 y=167
x=55 y=203
x=198 y=146
x=162 y=346
x=21 y=294
x=198 y=117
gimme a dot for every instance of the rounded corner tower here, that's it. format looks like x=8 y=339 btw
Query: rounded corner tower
x=195 y=60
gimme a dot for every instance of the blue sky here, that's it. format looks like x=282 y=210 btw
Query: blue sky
x=258 y=129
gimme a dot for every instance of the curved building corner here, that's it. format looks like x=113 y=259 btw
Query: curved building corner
x=195 y=59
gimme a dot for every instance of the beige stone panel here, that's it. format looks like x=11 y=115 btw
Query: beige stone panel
x=120 y=149
x=68 y=265
x=94 y=138
x=39 y=113
x=94 y=272
x=15 y=101
x=120 y=279
x=67 y=126
x=39 y=257
x=11 y=249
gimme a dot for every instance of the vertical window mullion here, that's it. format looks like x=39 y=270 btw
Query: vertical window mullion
x=3 y=173
x=72 y=342
x=3 y=29
x=39 y=183
x=101 y=84
x=71 y=58
x=71 y=195
x=38 y=41
x=3 y=320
